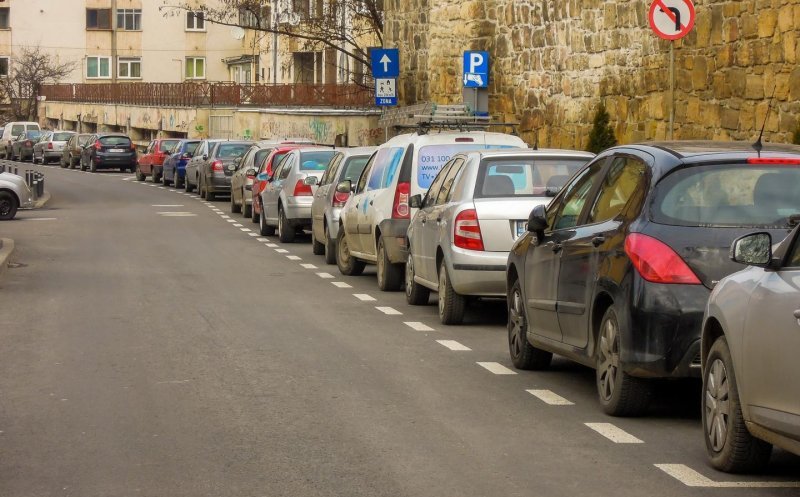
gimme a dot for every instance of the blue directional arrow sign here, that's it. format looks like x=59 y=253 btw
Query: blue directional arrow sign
x=385 y=63
x=476 y=69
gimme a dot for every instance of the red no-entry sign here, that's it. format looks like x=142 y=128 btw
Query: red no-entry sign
x=672 y=19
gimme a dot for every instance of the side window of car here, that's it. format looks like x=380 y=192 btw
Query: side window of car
x=447 y=185
x=362 y=181
x=624 y=178
x=387 y=161
x=575 y=196
x=287 y=166
x=150 y=148
x=433 y=191
x=328 y=175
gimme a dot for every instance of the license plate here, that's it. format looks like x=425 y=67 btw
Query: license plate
x=117 y=150
x=522 y=228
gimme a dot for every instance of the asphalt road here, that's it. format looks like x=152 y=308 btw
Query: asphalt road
x=150 y=347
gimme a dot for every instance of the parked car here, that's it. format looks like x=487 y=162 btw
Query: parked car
x=174 y=167
x=242 y=179
x=71 y=153
x=476 y=207
x=264 y=171
x=14 y=193
x=212 y=170
x=751 y=399
x=286 y=200
x=109 y=150
x=346 y=164
x=50 y=146
x=192 y=170
x=151 y=162
x=22 y=146
x=375 y=219
x=615 y=273
x=11 y=131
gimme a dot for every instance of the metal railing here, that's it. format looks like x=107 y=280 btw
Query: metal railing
x=203 y=94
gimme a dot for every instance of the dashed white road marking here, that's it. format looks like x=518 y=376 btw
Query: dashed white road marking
x=389 y=311
x=281 y=251
x=325 y=276
x=262 y=239
x=176 y=214
x=308 y=266
x=551 y=398
x=614 y=433
x=496 y=368
x=231 y=220
x=453 y=345
x=245 y=229
x=161 y=188
x=123 y=179
x=294 y=258
x=223 y=216
x=417 y=326
x=692 y=478
x=167 y=205
x=341 y=284
x=272 y=245
x=364 y=297
x=252 y=234
x=237 y=225
x=37 y=219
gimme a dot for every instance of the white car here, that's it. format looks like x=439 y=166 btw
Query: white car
x=14 y=193
x=375 y=219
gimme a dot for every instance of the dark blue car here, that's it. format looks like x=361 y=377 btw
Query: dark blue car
x=174 y=169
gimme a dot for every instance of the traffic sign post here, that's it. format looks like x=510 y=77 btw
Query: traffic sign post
x=671 y=20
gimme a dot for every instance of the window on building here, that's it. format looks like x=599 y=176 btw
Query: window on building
x=4 y=14
x=248 y=19
x=195 y=67
x=301 y=8
x=98 y=67
x=129 y=67
x=4 y=66
x=98 y=18
x=303 y=63
x=129 y=19
x=195 y=21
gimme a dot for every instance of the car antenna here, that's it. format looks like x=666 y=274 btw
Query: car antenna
x=758 y=146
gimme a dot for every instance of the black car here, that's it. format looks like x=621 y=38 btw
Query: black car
x=108 y=150
x=616 y=271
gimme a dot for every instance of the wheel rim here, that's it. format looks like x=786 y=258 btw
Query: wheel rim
x=717 y=405
x=442 y=289
x=344 y=252
x=381 y=275
x=280 y=223
x=608 y=364
x=5 y=207
x=409 y=274
x=516 y=321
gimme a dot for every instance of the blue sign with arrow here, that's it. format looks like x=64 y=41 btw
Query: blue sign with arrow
x=476 y=69
x=385 y=62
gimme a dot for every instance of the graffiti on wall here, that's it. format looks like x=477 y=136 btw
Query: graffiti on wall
x=316 y=129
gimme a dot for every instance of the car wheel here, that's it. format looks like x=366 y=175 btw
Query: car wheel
x=62 y=162
x=523 y=354
x=154 y=177
x=8 y=206
x=93 y=166
x=348 y=265
x=730 y=446
x=620 y=394
x=263 y=228
x=255 y=216
x=164 y=180
x=330 y=247
x=286 y=232
x=416 y=294
x=317 y=248
x=187 y=186
x=200 y=189
x=247 y=210
x=390 y=276
x=139 y=175
x=234 y=206
x=451 y=304
x=176 y=179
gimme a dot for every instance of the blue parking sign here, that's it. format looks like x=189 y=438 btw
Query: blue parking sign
x=476 y=69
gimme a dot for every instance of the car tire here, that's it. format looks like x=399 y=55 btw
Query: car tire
x=164 y=180
x=187 y=187
x=235 y=208
x=523 y=354
x=330 y=247
x=62 y=162
x=286 y=232
x=730 y=446
x=416 y=294
x=317 y=248
x=93 y=167
x=390 y=276
x=620 y=394
x=451 y=304
x=255 y=217
x=263 y=228
x=348 y=265
x=154 y=177
x=176 y=179
x=8 y=206
x=139 y=175
x=247 y=210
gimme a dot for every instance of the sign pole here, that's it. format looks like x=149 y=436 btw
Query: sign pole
x=671 y=89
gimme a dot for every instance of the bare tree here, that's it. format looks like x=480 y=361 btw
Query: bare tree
x=27 y=74
x=349 y=27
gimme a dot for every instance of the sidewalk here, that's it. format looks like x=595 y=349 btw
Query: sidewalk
x=6 y=249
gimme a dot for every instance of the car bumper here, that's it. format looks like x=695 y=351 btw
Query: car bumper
x=481 y=274
x=52 y=154
x=393 y=232
x=298 y=210
x=219 y=184
x=101 y=161
x=333 y=216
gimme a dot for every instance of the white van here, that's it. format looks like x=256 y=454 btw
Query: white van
x=375 y=219
x=10 y=132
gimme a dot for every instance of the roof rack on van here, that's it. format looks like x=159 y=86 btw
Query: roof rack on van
x=423 y=118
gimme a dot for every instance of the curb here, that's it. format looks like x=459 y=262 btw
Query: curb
x=43 y=200
x=6 y=249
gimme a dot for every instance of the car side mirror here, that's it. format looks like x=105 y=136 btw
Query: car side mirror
x=415 y=201
x=345 y=186
x=250 y=172
x=205 y=157
x=261 y=177
x=310 y=181
x=754 y=249
x=537 y=221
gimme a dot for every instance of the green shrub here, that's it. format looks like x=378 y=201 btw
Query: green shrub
x=602 y=134
x=796 y=137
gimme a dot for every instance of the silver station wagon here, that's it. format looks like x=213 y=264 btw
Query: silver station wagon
x=470 y=216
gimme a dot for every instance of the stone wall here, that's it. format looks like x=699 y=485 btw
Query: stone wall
x=553 y=61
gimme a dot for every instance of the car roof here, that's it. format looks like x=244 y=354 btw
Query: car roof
x=449 y=136
x=350 y=151
x=529 y=152
x=102 y=135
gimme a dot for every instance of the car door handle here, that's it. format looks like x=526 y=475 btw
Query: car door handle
x=370 y=202
x=438 y=220
x=423 y=220
x=557 y=247
x=598 y=240
x=797 y=314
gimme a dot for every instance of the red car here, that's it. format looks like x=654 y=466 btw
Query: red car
x=265 y=171
x=150 y=164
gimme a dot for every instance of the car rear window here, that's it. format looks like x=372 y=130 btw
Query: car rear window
x=33 y=134
x=261 y=156
x=168 y=145
x=110 y=141
x=83 y=139
x=431 y=158
x=32 y=127
x=736 y=195
x=353 y=168
x=315 y=161
x=61 y=137
x=524 y=177
x=232 y=150
x=17 y=129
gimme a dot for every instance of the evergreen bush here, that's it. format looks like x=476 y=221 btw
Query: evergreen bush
x=602 y=134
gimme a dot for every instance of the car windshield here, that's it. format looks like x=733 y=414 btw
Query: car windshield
x=433 y=157
x=122 y=141
x=353 y=168
x=168 y=145
x=62 y=137
x=315 y=161
x=17 y=129
x=524 y=177
x=190 y=147
x=83 y=139
x=33 y=134
x=737 y=195
x=232 y=150
x=261 y=155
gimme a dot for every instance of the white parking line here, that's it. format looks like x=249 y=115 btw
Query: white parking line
x=161 y=188
x=167 y=205
x=231 y=220
x=223 y=216
x=36 y=219
x=325 y=276
x=245 y=229
x=176 y=214
x=281 y=251
x=613 y=433
x=692 y=478
x=252 y=234
x=551 y=398
x=237 y=225
x=341 y=284
x=390 y=311
x=271 y=245
x=294 y=258
x=417 y=326
x=308 y=266
x=453 y=345
x=364 y=297
x=262 y=239
x=496 y=368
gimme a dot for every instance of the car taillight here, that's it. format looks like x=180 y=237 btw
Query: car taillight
x=49 y=145
x=97 y=146
x=301 y=189
x=657 y=262
x=251 y=176
x=467 y=231
x=777 y=161
x=400 y=209
x=339 y=199
x=217 y=166
x=133 y=147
